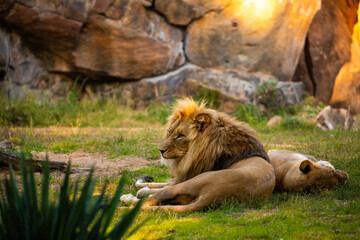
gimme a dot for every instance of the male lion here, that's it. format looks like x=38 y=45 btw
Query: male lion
x=296 y=172
x=212 y=158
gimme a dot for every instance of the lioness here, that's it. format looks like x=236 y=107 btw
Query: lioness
x=212 y=158
x=297 y=172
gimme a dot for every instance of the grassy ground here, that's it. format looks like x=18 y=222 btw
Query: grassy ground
x=107 y=128
x=327 y=215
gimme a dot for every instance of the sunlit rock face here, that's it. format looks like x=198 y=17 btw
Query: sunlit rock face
x=115 y=39
x=141 y=44
x=346 y=91
x=122 y=41
x=265 y=35
x=226 y=86
x=327 y=47
x=182 y=12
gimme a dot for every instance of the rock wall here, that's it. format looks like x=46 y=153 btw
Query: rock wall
x=229 y=86
x=265 y=36
x=123 y=47
x=327 y=47
x=124 y=40
x=346 y=92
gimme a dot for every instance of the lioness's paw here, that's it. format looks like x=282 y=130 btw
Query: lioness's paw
x=128 y=199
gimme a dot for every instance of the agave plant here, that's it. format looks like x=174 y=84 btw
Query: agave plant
x=75 y=213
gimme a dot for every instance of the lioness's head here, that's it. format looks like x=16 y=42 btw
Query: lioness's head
x=188 y=120
x=298 y=172
x=321 y=175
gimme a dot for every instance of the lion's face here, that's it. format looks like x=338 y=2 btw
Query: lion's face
x=176 y=142
x=322 y=175
x=181 y=132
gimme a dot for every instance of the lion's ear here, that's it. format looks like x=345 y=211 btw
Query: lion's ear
x=202 y=121
x=306 y=166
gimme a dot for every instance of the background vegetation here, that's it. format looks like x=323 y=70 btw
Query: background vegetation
x=30 y=214
x=105 y=126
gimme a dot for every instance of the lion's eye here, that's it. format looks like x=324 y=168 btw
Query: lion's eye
x=180 y=136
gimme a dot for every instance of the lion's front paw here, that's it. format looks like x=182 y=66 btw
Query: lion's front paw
x=143 y=192
x=128 y=199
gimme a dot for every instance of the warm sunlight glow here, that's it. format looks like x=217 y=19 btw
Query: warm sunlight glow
x=256 y=14
x=355 y=47
x=254 y=10
x=262 y=9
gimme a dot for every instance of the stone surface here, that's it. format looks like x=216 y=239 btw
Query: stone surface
x=330 y=117
x=263 y=36
x=44 y=29
x=132 y=44
x=346 y=93
x=3 y=67
x=117 y=9
x=23 y=67
x=139 y=45
x=25 y=72
x=101 y=6
x=292 y=91
x=347 y=88
x=76 y=10
x=228 y=47
x=31 y=3
x=228 y=86
x=327 y=47
x=274 y=121
x=182 y=12
x=5 y=5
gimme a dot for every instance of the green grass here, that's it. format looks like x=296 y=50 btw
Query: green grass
x=328 y=215
x=288 y=217
x=107 y=129
x=32 y=112
x=114 y=142
x=74 y=214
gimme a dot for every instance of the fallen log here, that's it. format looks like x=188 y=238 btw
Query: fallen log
x=7 y=158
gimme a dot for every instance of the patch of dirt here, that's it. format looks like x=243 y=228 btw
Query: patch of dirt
x=103 y=165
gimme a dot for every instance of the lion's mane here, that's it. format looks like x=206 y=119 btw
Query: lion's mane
x=224 y=142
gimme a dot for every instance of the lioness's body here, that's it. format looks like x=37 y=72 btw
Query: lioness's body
x=212 y=158
x=252 y=178
x=296 y=172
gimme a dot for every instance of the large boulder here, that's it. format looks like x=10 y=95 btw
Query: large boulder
x=133 y=43
x=346 y=93
x=21 y=66
x=116 y=39
x=44 y=29
x=226 y=86
x=260 y=35
x=182 y=12
x=26 y=72
x=330 y=117
x=141 y=44
x=327 y=47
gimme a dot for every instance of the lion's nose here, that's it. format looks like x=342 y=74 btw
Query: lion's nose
x=162 y=151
